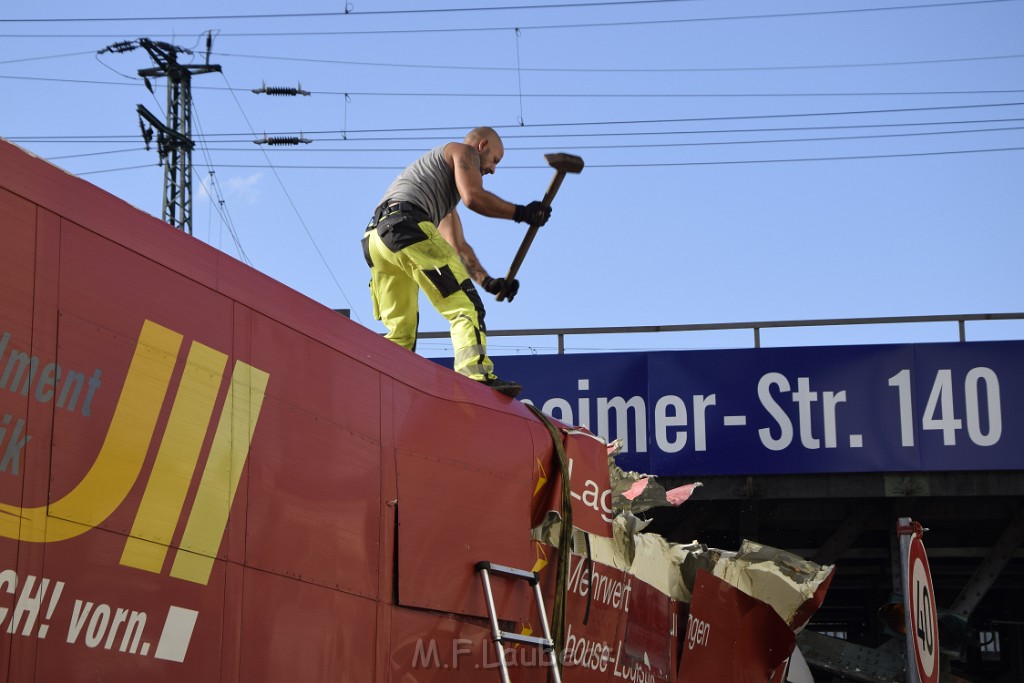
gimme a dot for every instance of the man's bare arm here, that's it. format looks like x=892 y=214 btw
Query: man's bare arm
x=451 y=230
x=470 y=184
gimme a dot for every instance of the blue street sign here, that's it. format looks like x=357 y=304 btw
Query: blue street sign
x=881 y=408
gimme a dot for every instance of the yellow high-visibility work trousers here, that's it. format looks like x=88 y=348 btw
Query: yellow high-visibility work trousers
x=401 y=266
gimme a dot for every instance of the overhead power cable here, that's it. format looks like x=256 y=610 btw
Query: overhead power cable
x=480 y=29
x=669 y=95
x=40 y=58
x=78 y=81
x=660 y=144
x=714 y=69
x=703 y=119
x=518 y=134
x=213 y=192
x=92 y=154
x=516 y=8
x=566 y=95
x=347 y=12
x=291 y=202
x=554 y=69
x=115 y=170
x=327 y=167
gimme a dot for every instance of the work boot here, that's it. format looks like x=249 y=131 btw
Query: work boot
x=510 y=389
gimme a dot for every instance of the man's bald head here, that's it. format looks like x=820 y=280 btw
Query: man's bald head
x=482 y=133
x=486 y=141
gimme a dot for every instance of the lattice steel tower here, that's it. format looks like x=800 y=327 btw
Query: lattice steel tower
x=174 y=139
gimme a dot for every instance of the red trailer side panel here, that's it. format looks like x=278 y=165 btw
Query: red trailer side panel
x=206 y=476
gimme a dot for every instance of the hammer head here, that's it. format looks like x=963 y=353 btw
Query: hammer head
x=567 y=163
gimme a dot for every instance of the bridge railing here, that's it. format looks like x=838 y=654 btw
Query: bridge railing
x=754 y=327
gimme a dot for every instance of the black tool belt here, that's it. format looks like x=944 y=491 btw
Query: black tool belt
x=397 y=223
x=393 y=207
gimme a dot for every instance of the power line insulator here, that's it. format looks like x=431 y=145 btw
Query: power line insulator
x=120 y=47
x=282 y=140
x=147 y=133
x=274 y=90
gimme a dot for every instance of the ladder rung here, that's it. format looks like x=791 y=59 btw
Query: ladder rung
x=485 y=569
x=526 y=640
x=507 y=571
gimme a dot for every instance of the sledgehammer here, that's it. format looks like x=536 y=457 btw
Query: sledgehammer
x=562 y=163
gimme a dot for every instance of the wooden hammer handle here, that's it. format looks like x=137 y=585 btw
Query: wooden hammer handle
x=549 y=196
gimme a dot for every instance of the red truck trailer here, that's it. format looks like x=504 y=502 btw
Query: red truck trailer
x=206 y=476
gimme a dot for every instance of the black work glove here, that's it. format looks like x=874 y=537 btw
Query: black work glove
x=495 y=285
x=534 y=213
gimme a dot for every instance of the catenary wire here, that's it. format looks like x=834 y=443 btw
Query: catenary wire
x=221 y=203
x=134 y=81
x=659 y=145
x=573 y=124
x=326 y=167
x=736 y=162
x=520 y=8
x=401 y=65
x=777 y=129
x=295 y=208
x=717 y=69
x=517 y=148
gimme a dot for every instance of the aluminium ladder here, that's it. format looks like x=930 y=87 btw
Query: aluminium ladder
x=486 y=570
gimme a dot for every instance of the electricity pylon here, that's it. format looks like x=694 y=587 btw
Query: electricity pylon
x=174 y=138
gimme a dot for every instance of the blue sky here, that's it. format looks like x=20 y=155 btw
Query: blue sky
x=745 y=160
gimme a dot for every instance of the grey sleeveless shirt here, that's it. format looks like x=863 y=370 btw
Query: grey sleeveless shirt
x=429 y=183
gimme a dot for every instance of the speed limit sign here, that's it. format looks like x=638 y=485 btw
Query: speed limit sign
x=922 y=620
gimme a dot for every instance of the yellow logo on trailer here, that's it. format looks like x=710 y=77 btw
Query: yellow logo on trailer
x=120 y=460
